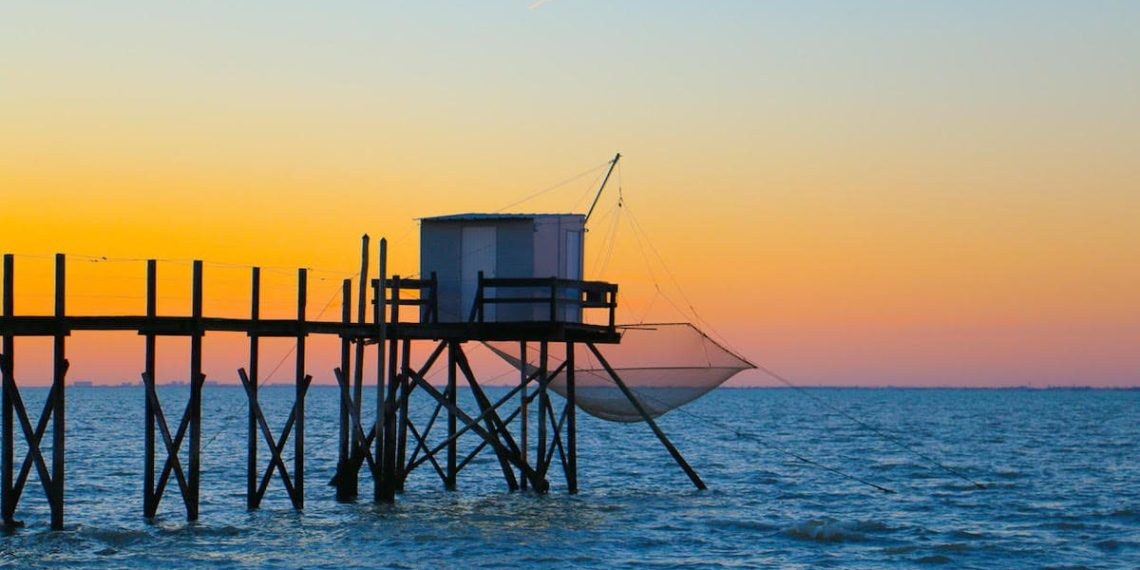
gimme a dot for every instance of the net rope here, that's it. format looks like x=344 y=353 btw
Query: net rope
x=665 y=365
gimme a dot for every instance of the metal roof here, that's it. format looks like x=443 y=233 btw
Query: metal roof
x=488 y=217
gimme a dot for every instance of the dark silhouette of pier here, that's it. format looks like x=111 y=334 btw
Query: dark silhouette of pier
x=403 y=311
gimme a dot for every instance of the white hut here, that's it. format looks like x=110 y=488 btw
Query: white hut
x=457 y=247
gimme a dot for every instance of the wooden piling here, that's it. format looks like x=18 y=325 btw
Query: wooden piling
x=388 y=418
x=59 y=371
x=524 y=375
x=197 y=380
x=346 y=469
x=150 y=501
x=358 y=378
x=302 y=389
x=452 y=448
x=251 y=497
x=571 y=466
x=543 y=403
x=381 y=297
x=402 y=420
x=7 y=464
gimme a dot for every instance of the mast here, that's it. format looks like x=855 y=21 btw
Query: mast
x=613 y=163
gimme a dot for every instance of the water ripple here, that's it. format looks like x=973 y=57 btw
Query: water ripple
x=1060 y=469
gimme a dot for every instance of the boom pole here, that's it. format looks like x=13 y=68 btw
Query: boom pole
x=613 y=163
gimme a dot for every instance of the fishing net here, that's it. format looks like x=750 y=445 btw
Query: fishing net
x=665 y=366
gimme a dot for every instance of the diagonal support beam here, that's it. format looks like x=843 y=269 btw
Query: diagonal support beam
x=276 y=450
x=34 y=456
x=422 y=437
x=648 y=419
x=474 y=422
x=495 y=426
x=276 y=461
x=473 y=425
x=33 y=437
x=172 y=444
x=359 y=440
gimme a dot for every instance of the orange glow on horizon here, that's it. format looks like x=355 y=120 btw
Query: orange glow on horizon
x=910 y=199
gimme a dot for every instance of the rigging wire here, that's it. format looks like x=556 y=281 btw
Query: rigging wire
x=869 y=427
x=587 y=191
x=640 y=235
x=237 y=409
x=550 y=188
x=757 y=439
x=745 y=435
x=609 y=251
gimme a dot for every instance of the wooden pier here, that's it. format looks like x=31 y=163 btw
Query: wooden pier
x=403 y=312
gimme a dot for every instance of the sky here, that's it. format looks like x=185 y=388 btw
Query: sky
x=849 y=193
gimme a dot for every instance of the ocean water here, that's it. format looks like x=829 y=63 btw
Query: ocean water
x=1061 y=471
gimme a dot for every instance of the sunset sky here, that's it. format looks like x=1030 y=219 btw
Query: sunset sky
x=849 y=193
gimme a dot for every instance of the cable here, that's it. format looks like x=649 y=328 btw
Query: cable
x=549 y=188
x=867 y=426
x=757 y=439
x=237 y=409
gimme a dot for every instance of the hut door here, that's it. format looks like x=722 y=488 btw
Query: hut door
x=479 y=250
x=572 y=269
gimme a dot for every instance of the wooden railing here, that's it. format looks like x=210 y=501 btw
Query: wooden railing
x=551 y=292
x=427 y=299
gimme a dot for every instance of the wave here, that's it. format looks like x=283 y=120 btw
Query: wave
x=830 y=530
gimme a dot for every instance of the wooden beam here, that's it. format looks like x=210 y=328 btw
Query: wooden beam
x=649 y=420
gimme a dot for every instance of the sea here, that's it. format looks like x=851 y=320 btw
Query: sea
x=797 y=478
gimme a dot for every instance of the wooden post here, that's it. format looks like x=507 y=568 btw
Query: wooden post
x=524 y=435
x=543 y=453
x=452 y=448
x=58 y=400
x=251 y=462
x=382 y=338
x=571 y=423
x=197 y=379
x=388 y=419
x=9 y=372
x=358 y=393
x=402 y=437
x=355 y=453
x=302 y=388
x=150 y=503
x=346 y=470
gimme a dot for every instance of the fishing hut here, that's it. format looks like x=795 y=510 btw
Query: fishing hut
x=512 y=282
